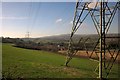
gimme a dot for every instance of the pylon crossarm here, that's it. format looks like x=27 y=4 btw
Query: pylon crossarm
x=111 y=18
x=92 y=16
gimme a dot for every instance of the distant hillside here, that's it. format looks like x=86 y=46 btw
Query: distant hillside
x=65 y=37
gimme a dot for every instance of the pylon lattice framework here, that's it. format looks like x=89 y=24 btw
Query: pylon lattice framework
x=102 y=15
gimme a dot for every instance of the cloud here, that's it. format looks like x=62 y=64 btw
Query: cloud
x=71 y=22
x=14 y=18
x=93 y=4
x=58 y=20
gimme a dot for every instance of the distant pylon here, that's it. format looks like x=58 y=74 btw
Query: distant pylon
x=27 y=35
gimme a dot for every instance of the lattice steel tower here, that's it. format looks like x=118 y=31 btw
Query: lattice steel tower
x=102 y=14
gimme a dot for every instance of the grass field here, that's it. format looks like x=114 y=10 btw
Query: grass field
x=24 y=63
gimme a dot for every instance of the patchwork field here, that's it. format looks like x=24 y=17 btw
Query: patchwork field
x=95 y=55
x=25 y=63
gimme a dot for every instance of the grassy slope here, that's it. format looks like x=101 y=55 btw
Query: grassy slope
x=34 y=64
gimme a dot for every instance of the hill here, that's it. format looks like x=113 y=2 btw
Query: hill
x=66 y=37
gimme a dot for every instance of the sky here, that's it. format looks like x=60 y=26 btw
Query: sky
x=42 y=19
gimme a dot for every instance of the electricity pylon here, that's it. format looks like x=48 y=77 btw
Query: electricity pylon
x=27 y=35
x=102 y=15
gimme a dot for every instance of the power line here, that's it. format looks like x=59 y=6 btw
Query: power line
x=29 y=10
x=35 y=17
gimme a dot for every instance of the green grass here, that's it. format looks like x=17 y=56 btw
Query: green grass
x=25 y=63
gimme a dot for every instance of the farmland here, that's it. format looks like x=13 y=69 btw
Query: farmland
x=25 y=63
